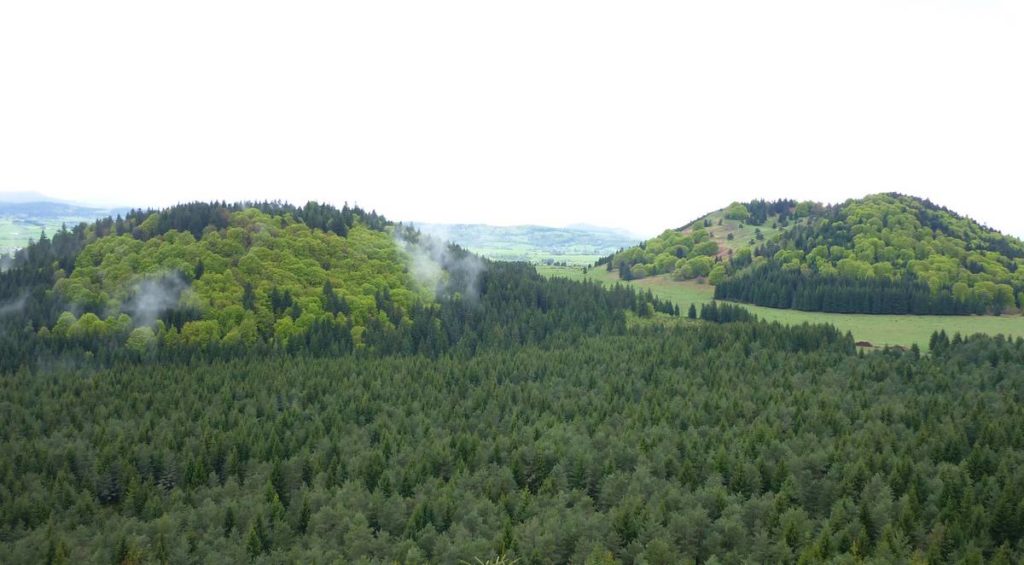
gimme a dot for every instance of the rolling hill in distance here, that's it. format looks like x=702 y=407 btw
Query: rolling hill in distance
x=571 y=245
x=673 y=326
x=688 y=265
x=883 y=254
x=235 y=276
x=26 y=215
x=786 y=257
x=264 y=382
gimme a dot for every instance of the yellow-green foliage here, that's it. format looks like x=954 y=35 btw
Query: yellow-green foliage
x=737 y=211
x=879 y=236
x=264 y=251
x=889 y=239
x=687 y=254
x=721 y=234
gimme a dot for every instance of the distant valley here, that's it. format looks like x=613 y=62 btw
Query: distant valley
x=25 y=216
x=260 y=382
x=572 y=245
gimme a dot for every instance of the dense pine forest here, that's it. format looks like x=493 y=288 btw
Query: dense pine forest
x=265 y=383
x=883 y=254
x=726 y=443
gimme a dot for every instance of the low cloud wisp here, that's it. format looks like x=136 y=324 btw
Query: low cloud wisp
x=153 y=296
x=445 y=268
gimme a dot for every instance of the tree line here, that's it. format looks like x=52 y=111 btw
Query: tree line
x=773 y=286
x=734 y=442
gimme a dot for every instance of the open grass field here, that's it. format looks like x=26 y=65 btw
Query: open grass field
x=579 y=245
x=742 y=234
x=22 y=221
x=15 y=233
x=536 y=256
x=879 y=330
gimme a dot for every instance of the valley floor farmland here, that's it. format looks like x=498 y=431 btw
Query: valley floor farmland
x=878 y=329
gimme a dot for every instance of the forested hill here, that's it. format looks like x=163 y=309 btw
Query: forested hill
x=265 y=383
x=215 y=279
x=882 y=254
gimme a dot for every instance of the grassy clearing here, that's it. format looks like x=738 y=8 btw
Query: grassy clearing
x=741 y=233
x=15 y=233
x=579 y=245
x=879 y=330
x=536 y=256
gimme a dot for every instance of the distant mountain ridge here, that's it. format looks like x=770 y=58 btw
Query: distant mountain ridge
x=24 y=216
x=882 y=254
x=21 y=197
x=580 y=244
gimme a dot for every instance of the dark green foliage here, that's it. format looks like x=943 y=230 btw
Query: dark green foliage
x=742 y=441
x=771 y=285
x=512 y=418
x=332 y=302
x=760 y=210
x=194 y=217
x=229 y=521
x=724 y=313
x=257 y=542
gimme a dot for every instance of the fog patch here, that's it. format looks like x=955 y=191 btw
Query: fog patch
x=442 y=267
x=13 y=307
x=154 y=296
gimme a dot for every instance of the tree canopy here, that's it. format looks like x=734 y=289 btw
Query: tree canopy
x=918 y=257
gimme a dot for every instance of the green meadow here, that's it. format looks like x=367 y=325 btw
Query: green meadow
x=15 y=233
x=578 y=245
x=880 y=330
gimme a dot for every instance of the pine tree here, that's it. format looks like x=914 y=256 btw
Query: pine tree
x=304 y=515
x=248 y=297
x=160 y=550
x=121 y=552
x=229 y=521
x=257 y=541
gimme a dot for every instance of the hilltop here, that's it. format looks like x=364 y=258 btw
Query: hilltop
x=218 y=279
x=885 y=253
x=261 y=382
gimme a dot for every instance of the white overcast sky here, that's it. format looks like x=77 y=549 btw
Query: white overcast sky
x=640 y=115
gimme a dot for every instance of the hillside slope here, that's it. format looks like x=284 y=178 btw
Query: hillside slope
x=223 y=280
x=696 y=249
x=885 y=253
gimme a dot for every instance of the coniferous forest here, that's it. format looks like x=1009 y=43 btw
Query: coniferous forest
x=265 y=383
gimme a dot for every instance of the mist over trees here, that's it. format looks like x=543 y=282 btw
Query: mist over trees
x=265 y=383
x=259 y=278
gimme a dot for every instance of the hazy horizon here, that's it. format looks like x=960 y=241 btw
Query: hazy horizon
x=654 y=230
x=636 y=117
